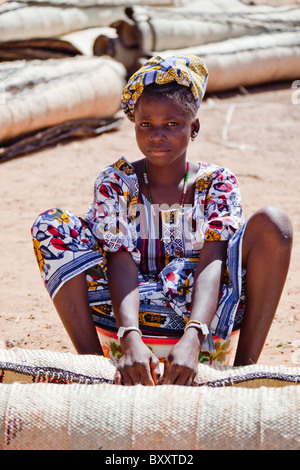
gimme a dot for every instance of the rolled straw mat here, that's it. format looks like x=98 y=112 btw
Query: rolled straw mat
x=43 y=93
x=253 y=407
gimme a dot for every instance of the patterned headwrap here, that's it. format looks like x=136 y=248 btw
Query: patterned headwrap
x=188 y=71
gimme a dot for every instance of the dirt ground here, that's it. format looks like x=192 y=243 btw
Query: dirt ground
x=254 y=132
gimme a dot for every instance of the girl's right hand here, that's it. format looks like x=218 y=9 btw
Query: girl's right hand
x=138 y=365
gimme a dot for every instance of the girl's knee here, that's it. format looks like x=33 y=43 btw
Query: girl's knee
x=271 y=224
x=51 y=216
x=41 y=218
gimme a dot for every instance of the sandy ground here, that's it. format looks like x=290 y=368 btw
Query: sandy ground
x=255 y=133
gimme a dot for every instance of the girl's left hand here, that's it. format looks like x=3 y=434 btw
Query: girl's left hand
x=181 y=364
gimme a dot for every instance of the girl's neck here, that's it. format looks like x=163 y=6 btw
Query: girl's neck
x=169 y=176
x=166 y=184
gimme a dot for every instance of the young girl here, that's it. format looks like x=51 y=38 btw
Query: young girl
x=163 y=250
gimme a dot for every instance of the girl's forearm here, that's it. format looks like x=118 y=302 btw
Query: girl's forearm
x=137 y=364
x=123 y=285
x=181 y=364
x=208 y=281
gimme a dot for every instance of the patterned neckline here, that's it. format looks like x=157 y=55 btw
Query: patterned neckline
x=185 y=183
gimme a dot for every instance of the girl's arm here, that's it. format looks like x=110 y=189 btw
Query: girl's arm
x=181 y=365
x=137 y=365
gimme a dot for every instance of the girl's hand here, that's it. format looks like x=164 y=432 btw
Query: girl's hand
x=138 y=365
x=181 y=365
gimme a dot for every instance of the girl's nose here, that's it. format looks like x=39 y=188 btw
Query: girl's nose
x=158 y=134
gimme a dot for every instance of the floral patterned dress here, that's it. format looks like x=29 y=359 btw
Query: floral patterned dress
x=164 y=242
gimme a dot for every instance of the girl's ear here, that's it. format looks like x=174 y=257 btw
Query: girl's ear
x=195 y=128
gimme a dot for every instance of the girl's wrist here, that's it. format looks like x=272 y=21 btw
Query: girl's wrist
x=195 y=335
x=130 y=337
x=125 y=329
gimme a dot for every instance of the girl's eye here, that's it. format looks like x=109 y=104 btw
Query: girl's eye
x=168 y=124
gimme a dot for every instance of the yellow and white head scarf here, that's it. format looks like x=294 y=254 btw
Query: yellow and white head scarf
x=187 y=70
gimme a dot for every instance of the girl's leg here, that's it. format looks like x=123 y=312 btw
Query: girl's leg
x=60 y=239
x=267 y=248
x=72 y=305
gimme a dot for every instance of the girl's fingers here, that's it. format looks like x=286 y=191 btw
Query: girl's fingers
x=155 y=370
x=190 y=380
x=122 y=377
x=138 y=375
x=117 y=378
x=176 y=375
x=170 y=374
x=145 y=375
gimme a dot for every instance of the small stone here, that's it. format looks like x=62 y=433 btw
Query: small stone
x=10 y=343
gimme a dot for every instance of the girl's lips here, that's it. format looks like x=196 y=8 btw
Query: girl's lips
x=159 y=150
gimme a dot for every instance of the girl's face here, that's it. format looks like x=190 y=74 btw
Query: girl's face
x=163 y=130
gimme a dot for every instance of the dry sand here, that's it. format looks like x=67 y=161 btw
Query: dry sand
x=255 y=133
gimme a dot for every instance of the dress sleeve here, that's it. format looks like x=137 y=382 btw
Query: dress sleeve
x=108 y=214
x=223 y=208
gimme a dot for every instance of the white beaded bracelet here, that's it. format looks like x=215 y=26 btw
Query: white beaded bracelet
x=122 y=330
x=197 y=324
